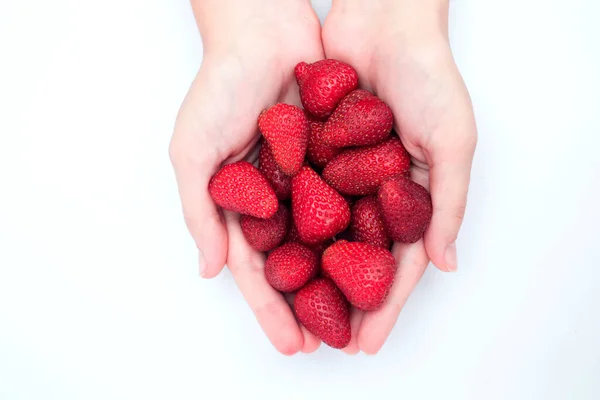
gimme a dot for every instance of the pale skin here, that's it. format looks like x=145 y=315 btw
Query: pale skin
x=401 y=52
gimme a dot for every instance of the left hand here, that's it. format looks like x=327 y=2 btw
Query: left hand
x=250 y=51
x=401 y=52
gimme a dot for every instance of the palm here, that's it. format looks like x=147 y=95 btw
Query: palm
x=222 y=105
x=426 y=93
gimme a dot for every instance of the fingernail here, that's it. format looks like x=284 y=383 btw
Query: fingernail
x=451 y=257
x=202 y=264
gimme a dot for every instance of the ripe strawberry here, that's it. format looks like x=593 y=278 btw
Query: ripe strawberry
x=281 y=183
x=294 y=237
x=406 y=208
x=317 y=152
x=359 y=172
x=286 y=129
x=290 y=266
x=360 y=119
x=363 y=272
x=367 y=225
x=240 y=187
x=319 y=211
x=266 y=234
x=323 y=310
x=323 y=84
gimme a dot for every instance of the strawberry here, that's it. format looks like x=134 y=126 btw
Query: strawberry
x=319 y=211
x=290 y=266
x=366 y=223
x=317 y=152
x=363 y=272
x=323 y=310
x=240 y=187
x=286 y=129
x=294 y=237
x=406 y=208
x=281 y=183
x=323 y=84
x=359 y=172
x=266 y=234
x=360 y=119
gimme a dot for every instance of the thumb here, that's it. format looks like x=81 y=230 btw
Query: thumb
x=201 y=214
x=450 y=171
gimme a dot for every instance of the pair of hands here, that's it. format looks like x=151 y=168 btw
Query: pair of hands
x=401 y=52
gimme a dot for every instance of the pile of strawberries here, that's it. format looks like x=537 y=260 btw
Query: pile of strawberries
x=347 y=175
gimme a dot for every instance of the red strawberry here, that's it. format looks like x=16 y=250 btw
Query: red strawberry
x=318 y=153
x=359 y=172
x=323 y=84
x=323 y=310
x=240 y=187
x=281 y=183
x=406 y=208
x=319 y=211
x=286 y=129
x=363 y=272
x=294 y=237
x=360 y=119
x=290 y=266
x=367 y=225
x=265 y=234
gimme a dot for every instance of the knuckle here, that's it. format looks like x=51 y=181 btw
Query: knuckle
x=271 y=309
x=246 y=263
x=458 y=213
x=193 y=225
x=202 y=228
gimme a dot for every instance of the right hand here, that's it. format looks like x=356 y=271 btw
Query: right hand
x=250 y=51
x=401 y=51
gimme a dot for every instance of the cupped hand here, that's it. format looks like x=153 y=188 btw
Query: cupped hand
x=401 y=52
x=250 y=51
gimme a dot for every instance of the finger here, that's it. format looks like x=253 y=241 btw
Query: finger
x=356 y=317
x=377 y=325
x=200 y=213
x=448 y=183
x=311 y=342
x=269 y=306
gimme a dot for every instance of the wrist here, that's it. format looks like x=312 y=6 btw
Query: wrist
x=425 y=20
x=230 y=26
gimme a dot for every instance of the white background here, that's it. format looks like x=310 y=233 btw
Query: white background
x=99 y=292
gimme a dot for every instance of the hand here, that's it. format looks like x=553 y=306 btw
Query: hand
x=401 y=52
x=250 y=51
